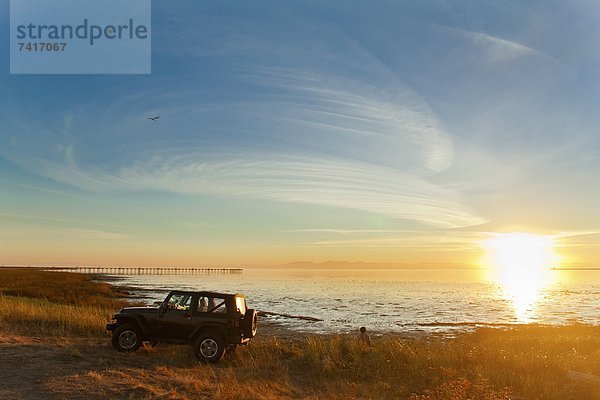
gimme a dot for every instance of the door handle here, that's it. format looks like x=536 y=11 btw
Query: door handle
x=187 y=315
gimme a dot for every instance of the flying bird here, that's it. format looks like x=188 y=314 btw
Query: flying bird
x=154 y=118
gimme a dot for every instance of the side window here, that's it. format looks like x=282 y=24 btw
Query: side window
x=203 y=304
x=216 y=305
x=180 y=301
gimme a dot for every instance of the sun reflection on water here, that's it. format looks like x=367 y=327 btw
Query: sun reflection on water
x=521 y=264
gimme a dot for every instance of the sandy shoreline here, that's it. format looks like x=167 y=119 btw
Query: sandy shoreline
x=270 y=323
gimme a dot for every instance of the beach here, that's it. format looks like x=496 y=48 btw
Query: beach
x=320 y=200
x=47 y=354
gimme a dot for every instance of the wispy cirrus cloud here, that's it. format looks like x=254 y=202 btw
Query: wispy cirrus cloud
x=446 y=240
x=577 y=238
x=339 y=231
x=307 y=136
x=295 y=179
x=430 y=115
x=364 y=119
x=342 y=130
x=499 y=49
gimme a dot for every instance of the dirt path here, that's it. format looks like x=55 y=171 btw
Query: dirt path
x=84 y=368
x=28 y=365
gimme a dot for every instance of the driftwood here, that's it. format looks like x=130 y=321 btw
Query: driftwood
x=305 y=318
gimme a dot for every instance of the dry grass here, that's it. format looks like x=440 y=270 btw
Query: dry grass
x=472 y=366
x=36 y=302
x=59 y=287
x=41 y=317
x=528 y=362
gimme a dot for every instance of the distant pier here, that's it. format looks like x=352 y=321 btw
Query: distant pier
x=147 y=270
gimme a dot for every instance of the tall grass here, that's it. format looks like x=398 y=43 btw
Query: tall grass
x=340 y=367
x=37 y=302
x=58 y=287
x=21 y=315
x=530 y=362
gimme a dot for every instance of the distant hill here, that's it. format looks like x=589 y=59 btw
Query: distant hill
x=333 y=264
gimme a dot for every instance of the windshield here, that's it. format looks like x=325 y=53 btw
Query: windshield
x=179 y=301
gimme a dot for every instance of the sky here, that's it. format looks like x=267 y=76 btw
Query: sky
x=401 y=132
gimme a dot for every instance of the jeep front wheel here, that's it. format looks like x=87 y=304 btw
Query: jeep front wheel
x=126 y=338
x=210 y=348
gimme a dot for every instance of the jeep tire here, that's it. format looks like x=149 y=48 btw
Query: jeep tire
x=210 y=347
x=127 y=338
x=249 y=323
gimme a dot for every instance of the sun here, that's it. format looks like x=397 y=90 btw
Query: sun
x=521 y=264
x=520 y=251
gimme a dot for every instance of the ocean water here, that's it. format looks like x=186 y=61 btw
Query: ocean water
x=399 y=300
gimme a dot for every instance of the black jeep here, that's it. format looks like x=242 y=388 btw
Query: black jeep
x=210 y=321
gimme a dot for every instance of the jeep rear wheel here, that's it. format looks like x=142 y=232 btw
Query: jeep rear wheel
x=210 y=348
x=126 y=338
